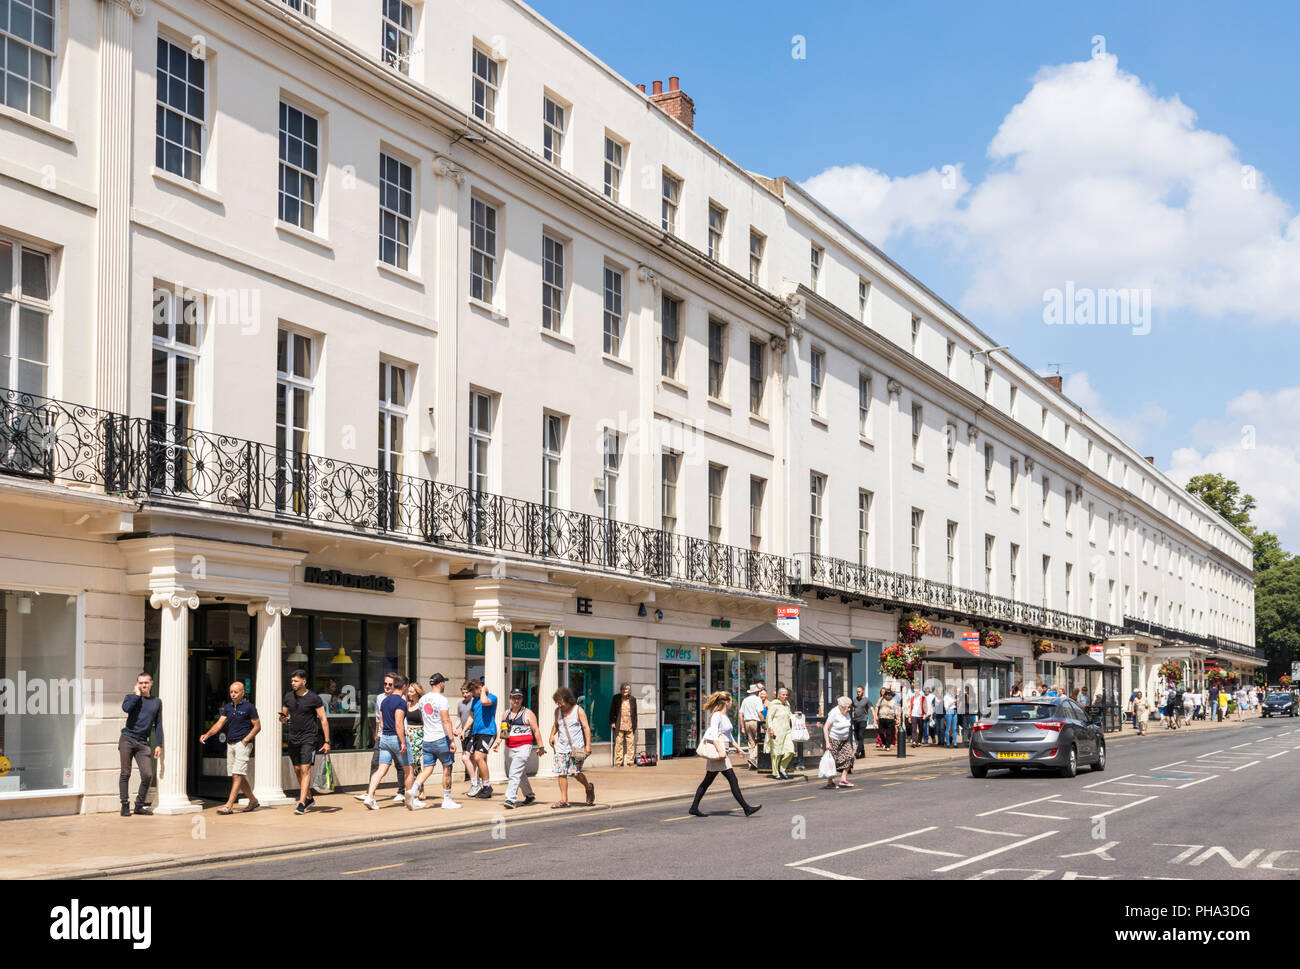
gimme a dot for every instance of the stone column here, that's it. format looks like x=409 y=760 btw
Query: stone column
x=173 y=689
x=494 y=679
x=113 y=250
x=548 y=683
x=268 y=779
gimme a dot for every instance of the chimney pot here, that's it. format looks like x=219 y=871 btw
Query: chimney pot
x=641 y=88
x=1150 y=459
x=659 y=87
x=674 y=83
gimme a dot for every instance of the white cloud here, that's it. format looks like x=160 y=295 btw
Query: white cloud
x=1131 y=428
x=1256 y=444
x=1100 y=181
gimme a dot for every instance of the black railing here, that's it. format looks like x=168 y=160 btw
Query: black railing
x=1216 y=643
x=850 y=579
x=162 y=463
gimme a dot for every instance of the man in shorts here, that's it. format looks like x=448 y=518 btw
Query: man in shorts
x=392 y=739
x=465 y=727
x=484 y=707
x=239 y=720
x=439 y=744
x=400 y=796
x=304 y=713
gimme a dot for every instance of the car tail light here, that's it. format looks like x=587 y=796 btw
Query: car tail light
x=1052 y=725
x=976 y=728
x=1051 y=753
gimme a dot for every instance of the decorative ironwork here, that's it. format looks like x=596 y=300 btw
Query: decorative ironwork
x=864 y=582
x=165 y=464
x=1219 y=645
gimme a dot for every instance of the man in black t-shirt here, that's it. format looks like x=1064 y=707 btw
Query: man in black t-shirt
x=305 y=715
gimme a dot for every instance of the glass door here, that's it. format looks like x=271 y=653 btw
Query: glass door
x=680 y=712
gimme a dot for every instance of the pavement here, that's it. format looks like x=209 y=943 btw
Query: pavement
x=107 y=845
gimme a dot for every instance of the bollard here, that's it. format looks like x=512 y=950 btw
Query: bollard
x=902 y=738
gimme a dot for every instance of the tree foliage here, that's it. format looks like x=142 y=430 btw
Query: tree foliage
x=1224 y=496
x=1277 y=615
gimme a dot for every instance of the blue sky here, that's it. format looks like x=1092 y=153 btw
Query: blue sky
x=1115 y=170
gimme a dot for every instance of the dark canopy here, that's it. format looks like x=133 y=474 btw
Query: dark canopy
x=954 y=654
x=769 y=636
x=1089 y=662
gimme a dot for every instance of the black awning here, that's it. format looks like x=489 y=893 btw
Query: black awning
x=770 y=636
x=1089 y=662
x=957 y=655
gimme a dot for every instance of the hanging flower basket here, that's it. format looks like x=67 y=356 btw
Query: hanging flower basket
x=911 y=628
x=1171 y=673
x=1215 y=676
x=1285 y=680
x=901 y=661
x=990 y=639
x=1042 y=647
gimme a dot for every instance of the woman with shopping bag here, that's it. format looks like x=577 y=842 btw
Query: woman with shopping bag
x=837 y=731
x=780 y=740
x=717 y=742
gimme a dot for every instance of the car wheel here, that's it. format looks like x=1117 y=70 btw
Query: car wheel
x=1100 y=763
x=1071 y=768
x=978 y=771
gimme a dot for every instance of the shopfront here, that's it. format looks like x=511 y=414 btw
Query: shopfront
x=679 y=695
x=735 y=671
x=42 y=695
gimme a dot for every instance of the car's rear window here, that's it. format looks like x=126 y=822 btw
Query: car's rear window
x=1284 y=697
x=1025 y=711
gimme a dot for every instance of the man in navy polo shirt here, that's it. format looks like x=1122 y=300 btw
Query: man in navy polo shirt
x=239 y=718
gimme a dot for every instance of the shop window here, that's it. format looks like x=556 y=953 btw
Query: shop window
x=38 y=727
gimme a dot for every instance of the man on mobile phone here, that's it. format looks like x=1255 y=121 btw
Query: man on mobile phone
x=143 y=714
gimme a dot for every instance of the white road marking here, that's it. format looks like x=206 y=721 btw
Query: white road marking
x=1244 y=766
x=828 y=874
x=996 y=851
x=1037 y=800
x=1163 y=787
x=1084 y=803
x=1109 y=780
x=1201 y=781
x=1123 y=807
x=927 y=851
x=1119 y=794
x=1045 y=817
x=869 y=844
x=1278 y=754
x=1246 y=744
x=1210 y=753
x=1174 y=764
x=1005 y=834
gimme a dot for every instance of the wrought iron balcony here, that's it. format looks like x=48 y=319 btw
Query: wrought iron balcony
x=880 y=585
x=166 y=465
x=1147 y=628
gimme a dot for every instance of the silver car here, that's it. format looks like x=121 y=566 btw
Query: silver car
x=1038 y=732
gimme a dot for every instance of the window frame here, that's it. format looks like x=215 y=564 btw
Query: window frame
x=163 y=108
x=555 y=128
x=483 y=268
x=816 y=379
x=757 y=376
x=485 y=88
x=756 y=257
x=613 y=186
x=32 y=49
x=717 y=232
x=816 y=511
x=401 y=250
x=613 y=309
x=717 y=350
x=18 y=301
x=670 y=346
x=671 y=200
x=398 y=58
x=312 y=177
x=554 y=282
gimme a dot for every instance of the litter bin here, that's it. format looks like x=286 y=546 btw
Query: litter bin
x=666 y=740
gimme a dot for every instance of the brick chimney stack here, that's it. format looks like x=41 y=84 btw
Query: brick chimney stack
x=676 y=102
x=1150 y=459
x=1054 y=382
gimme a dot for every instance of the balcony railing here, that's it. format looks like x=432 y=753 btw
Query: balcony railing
x=163 y=464
x=850 y=579
x=1215 y=643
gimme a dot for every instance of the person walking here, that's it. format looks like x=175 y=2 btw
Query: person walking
x=916 y=711
x=1223 y=705
x=392 y=741
x=622 y=726
x=414 y=733
x=780 y=743
x=465 y=730
x=950 y=718
x=304 y=713
x=718 y=735
x=751 y=715
x=571 y=741
x=1189 y=707
x=886 y=717
x=1141 y=712
x=143 y=715
x=389 y=680
x=837 y=732
x=439 y=744
x=484 y=707
x=931 y=717
x=239 y=720
x=861 y=721
x=521 y=732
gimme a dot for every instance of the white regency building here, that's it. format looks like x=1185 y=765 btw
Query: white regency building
x=630 y=399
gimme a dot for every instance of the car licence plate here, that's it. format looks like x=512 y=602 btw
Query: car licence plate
x=1012 y=755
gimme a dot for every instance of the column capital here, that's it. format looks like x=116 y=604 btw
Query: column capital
x=647 y=275
x=136 y=7
x=555 y=631
x=446 y=168
x=496 y=625
x=272 y=607
x=894 y=388
x=173 y=599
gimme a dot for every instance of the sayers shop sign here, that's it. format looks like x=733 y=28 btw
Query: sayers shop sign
x=349 y=580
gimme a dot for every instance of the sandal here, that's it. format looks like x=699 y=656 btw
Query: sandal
x=591 y=794
x=560 y=804
x=847 y=784
x=225 y=810
x=252 y=807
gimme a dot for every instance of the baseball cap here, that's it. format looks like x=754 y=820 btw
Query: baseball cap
x=436 y=679
x=516 y=692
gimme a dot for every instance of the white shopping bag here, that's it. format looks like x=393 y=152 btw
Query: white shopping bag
x=827 y=766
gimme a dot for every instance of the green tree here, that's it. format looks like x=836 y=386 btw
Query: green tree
x=1224 y=496
x=1268 y=552
x=1277 y=615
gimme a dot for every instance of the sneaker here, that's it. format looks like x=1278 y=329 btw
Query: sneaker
x=309 y=802
x=449 y=805
x=510 y=805
x=370 y=803
x=126 y=810
x=399 y=797
x=144 y=809
x=474 y=788
x=414 y=804
x=484 y=792
x=529 y=799
x=300 y=809
x=360 y=797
